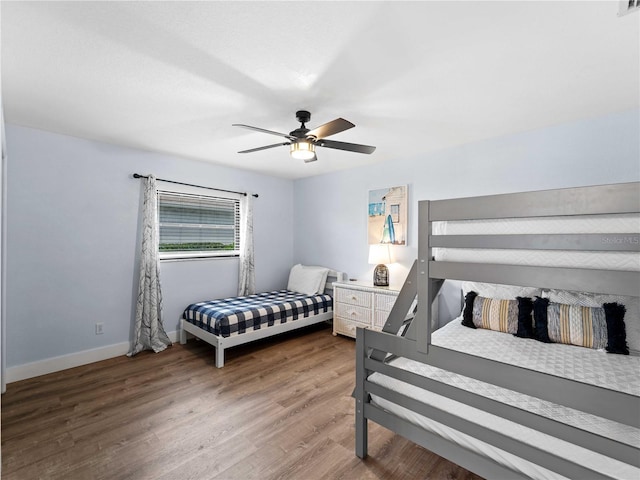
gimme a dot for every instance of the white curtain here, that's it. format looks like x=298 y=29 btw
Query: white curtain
x=247 y=276
x=149 y=333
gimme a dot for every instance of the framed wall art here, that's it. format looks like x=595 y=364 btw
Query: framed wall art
x=387 y=221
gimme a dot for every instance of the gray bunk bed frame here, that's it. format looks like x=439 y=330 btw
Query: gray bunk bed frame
x=374 y=349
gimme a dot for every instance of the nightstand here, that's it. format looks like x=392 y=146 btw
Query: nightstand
x=360 y=304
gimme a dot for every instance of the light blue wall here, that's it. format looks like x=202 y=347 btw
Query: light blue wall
x=330 y=210
x=73 y=213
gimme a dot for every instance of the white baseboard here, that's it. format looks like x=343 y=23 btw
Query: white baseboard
x=56 y=364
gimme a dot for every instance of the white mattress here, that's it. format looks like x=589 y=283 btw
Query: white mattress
x=607 y=224
x=617 y=372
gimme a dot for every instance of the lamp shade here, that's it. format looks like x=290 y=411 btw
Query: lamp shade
x=379 y=254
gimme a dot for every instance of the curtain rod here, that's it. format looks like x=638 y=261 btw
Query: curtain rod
x=137 y=175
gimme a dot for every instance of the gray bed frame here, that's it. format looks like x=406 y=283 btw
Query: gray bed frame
x=374 y=349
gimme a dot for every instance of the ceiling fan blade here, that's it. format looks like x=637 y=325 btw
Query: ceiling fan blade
x=313 y=159
x=335 y=126
x=257 y=129
x=351 y=147
x=265 y=147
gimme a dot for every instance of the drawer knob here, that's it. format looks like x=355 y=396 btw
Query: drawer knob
x=353 y=297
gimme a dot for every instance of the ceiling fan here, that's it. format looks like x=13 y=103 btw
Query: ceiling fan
x=303 y=142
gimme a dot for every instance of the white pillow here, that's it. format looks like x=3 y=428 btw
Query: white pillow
x=323 y=279
x=631 y=317
x=307 y=279
x=500 y=292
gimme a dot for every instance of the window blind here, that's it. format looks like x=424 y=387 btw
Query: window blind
x=197 y=225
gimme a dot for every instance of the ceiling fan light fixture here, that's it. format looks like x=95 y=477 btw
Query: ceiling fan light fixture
x=303 y=150
x=303 y=142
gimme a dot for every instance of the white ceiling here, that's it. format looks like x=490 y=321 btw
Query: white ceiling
x=413 y=76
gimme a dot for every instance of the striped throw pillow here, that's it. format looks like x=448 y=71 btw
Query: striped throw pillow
x=490 y=313
x=591 y=327
x=577 y=325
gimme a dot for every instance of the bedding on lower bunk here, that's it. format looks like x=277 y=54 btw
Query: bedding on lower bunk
x=236 y=315
x=617 y=372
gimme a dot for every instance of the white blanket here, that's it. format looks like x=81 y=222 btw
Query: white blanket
x=616 y=372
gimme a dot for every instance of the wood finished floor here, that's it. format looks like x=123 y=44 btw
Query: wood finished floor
x=280 y=408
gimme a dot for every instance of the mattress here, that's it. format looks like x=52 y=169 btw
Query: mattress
x=613 y=225
x=236 y=315
x=617 y=372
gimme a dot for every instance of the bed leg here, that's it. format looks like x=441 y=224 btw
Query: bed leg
x=183 y=336
x=362 y=438
x=219 y=356
x=362 y=430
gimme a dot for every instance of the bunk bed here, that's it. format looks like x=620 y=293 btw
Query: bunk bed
x=497 y=404
x=229 y=322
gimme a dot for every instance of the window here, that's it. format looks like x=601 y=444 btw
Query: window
x=193 y=226
x=394 y=211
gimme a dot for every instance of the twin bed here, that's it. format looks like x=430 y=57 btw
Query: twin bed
x=525 y=406
x=235 y=321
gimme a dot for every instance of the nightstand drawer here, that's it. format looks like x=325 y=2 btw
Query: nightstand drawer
x=353 y=297
x=344 y=327
x=359 y=304
x=384 y=302
x=352 y=313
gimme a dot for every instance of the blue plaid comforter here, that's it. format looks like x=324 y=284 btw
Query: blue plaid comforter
x=231 y=316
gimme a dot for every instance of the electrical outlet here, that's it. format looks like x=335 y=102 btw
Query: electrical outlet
x=99 y=328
